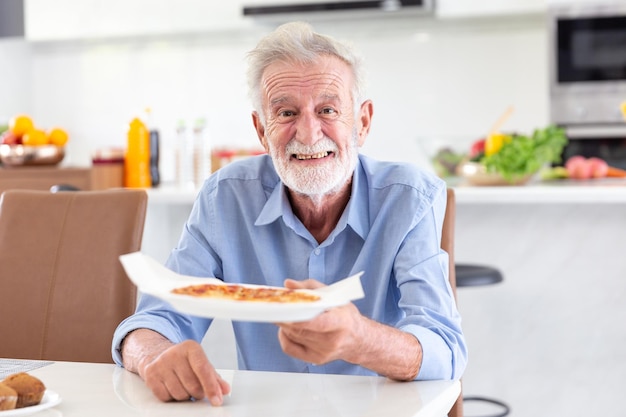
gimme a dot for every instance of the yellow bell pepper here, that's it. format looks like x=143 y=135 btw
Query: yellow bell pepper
x=494 y=142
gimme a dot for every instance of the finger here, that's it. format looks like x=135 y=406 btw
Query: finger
x=159 y=389
x=211 y=384
x=290 y=347
x=173 y=369
x=156 y=379
x=190 y=381
x=310 y=284
x=224 y=390
x=307 y=344
x=165 y=384
x=176 y=387
x=302 y=351
x=219 y=389
x=225 y=385
x=318 y=324
x=183 y=372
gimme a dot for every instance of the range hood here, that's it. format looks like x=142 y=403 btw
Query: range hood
x=308 y=9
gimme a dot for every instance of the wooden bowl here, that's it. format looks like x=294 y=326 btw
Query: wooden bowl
x=476 y=174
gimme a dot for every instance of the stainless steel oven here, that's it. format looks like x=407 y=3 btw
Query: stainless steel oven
x=587 y=46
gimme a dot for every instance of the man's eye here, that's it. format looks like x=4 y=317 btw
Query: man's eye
x=286 y=113
x=327 y=110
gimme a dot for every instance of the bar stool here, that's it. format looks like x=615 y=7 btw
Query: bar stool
x=468 y=275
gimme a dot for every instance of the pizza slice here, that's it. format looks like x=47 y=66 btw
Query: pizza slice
x=243 y=293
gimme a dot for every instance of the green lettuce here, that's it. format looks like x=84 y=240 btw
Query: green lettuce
x=525 y=155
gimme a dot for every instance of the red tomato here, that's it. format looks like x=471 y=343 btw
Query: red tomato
x=477 y=148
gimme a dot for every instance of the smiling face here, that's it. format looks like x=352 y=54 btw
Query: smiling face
x=311 y=131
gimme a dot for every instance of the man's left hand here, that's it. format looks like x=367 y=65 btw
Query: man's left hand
x=334 y=334
x=344 y=333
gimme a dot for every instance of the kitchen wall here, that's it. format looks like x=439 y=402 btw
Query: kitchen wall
x=433 y=82
x=15 y=87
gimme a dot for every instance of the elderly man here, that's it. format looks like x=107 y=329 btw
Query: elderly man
x=313 y=210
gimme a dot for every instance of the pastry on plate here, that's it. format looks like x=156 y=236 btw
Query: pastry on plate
x=29 y=389
x=8 y=397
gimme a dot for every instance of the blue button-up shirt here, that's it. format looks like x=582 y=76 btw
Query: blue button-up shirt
x=242 y=230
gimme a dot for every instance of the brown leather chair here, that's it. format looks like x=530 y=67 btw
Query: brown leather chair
x=467 y=275
x=63 y=289
x=447 y=244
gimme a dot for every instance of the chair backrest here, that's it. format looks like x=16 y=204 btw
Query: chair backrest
x=447 y=236
x=63 y=290
x=447 y=244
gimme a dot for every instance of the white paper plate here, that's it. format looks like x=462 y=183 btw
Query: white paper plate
x=258 y=311
x=50 y=399
x=153 y=278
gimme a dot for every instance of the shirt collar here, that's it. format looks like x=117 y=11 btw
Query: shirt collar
x=357 y=210
x=277 y=205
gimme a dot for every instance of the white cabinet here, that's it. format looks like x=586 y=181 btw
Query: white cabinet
x=478 y=8
x=89 y=19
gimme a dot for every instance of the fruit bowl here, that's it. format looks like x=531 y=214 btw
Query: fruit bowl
x=476 y=174
x=23 y=155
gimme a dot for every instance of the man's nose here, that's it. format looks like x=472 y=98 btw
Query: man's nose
x=308 y=128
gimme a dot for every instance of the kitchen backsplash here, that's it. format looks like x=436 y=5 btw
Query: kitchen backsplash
x=432 y=84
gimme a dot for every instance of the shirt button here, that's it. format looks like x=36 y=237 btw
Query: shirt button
x=317 y=251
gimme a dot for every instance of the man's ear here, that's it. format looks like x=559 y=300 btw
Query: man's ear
x=260 y=129
x=366 y=112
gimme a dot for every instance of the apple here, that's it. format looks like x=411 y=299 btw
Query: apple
x=599 y=167
x=578 y=168
x=10 y=138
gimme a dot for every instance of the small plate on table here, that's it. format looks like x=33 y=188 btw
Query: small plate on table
x=50 y=399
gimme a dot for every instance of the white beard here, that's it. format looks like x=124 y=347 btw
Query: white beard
x=320 y=180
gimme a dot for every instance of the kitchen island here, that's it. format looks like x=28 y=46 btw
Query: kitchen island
x=550 y=192
x=549 y=339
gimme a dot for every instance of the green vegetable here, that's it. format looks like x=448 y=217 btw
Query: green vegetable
x=525 y=155
x=553 y=173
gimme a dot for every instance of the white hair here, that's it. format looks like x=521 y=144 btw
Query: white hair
x=298 y=42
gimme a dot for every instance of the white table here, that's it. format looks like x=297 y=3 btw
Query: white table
x=97 y=390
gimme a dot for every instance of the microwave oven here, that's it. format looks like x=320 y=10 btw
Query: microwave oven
x=587 y=66
x=587 y=47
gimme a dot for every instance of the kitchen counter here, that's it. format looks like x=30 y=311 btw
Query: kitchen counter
x=554 y=192
x=43 y=177
x=559 y=192
x=171 y=194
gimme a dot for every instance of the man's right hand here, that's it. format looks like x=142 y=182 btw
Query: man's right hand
x=173 y=371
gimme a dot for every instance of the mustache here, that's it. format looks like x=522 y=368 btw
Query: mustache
x=325 y=144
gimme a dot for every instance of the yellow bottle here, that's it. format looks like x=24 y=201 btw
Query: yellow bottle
x=137 y=158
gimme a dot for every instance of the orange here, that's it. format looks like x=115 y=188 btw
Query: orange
x=35 y=137
x=21 y=124
x=58 y=137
